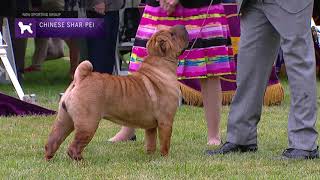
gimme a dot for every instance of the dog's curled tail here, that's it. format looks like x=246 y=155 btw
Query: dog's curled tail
x=82 y=71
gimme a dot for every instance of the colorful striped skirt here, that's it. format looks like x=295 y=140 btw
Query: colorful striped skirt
x=209 y=36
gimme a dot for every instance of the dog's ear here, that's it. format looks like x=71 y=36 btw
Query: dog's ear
x=151 y=45
x=163 y=45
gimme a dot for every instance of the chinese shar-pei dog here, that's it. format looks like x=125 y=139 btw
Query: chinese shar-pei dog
x=147 y=99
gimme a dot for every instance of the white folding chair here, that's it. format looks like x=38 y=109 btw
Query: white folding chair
x=7 y=59
x=121 y=46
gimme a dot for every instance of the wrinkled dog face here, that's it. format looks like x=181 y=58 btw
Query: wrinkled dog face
x=168 y=43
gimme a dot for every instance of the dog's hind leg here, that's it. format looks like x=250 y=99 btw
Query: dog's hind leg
x=151 y=140
x=61 y=128
x=165 y=130
x=84 y=132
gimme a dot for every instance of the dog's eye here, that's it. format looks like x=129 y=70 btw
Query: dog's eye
x=172 y=34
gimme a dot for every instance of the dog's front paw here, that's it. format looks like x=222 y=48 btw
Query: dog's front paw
x=48 y=158
x=48 y=153
x=164 y=153
x=74 y=156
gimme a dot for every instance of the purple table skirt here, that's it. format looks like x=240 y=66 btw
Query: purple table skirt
x=10 y=106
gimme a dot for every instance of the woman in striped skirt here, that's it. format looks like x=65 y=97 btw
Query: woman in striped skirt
x=208 y=57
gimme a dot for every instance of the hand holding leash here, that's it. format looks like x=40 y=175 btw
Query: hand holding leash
x=169 y=5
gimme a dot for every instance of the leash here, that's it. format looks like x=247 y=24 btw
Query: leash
x=197 y=37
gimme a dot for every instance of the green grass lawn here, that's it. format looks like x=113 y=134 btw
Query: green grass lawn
x=22 y=142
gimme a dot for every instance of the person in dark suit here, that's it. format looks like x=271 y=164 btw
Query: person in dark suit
x=7 y=8
x=265 y=26
x=101 y=51
x=10 y=8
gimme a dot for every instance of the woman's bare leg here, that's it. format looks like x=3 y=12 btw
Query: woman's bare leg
x=125 y=134
x=212 y=101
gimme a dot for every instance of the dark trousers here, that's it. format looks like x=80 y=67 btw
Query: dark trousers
x=19 y=45
x=101 y=51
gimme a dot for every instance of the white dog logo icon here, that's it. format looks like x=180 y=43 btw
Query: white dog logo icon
x=23 y=27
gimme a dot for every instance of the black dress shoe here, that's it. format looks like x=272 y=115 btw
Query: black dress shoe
x=133 y=138
x=292 y=153
x=230 y=147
